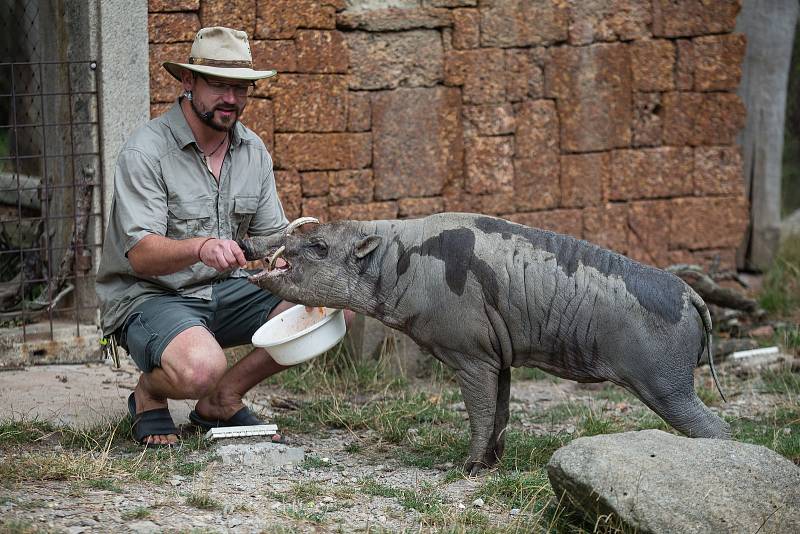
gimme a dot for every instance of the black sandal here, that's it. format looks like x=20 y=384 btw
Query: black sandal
x=156 y=422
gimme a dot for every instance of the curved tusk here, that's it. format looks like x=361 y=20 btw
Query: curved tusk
x=274 y=258
x=300 y=222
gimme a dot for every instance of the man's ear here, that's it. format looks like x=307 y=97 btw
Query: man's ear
x=367 y=245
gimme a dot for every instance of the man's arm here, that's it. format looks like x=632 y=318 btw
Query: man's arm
x=155 y=255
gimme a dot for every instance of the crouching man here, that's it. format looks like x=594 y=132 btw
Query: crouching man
x=171 y=282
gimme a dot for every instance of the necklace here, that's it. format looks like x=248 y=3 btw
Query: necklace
x=207 y=157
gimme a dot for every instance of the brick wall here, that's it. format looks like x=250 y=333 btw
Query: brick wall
x=610 y=120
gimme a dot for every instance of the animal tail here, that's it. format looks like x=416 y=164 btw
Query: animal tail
x=705 y=315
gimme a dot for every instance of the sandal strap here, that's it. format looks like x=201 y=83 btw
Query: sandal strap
x=156 y=422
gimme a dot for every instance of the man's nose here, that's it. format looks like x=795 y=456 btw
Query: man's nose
x=229 y=97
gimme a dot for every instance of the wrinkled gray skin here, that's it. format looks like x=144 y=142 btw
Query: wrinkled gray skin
x=484 y=295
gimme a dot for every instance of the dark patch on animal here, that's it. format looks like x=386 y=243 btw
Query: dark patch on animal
x=456 y=248
x=657 y=291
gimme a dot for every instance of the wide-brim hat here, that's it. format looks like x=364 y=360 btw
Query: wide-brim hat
x=221 y=52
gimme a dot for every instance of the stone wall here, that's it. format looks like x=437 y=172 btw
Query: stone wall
x=610 y=120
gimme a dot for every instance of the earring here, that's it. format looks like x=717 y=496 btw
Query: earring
x=187 y=95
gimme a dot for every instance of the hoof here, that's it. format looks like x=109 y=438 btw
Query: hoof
x=474 y=468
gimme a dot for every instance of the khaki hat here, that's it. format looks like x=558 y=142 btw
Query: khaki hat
x=221 y=52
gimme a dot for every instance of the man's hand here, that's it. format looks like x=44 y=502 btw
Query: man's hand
x=221 y=254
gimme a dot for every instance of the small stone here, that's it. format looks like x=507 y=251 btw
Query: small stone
x=478 y=503
x=328 y=499
x=143 y=527
x=787 y=431
x=325 y=460
x=514 y=512
x=461 y=506
x=762 y=331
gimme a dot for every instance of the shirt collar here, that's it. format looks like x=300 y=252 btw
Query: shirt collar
x=176 y=121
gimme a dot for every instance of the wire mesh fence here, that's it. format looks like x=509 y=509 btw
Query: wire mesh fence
x=50 y=180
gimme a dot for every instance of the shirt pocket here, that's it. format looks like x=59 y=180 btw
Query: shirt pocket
x=244 y=208
x=190 y=218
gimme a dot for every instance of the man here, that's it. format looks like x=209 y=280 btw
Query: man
x=172 y=289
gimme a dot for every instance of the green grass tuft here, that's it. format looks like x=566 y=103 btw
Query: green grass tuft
x=315 y=462
x=528 y=452
x=17 y=432
x=529 y=491
x=203 y=501
x=778 y=430
x=783 y=382
x=780 y=293
x=137 y=513
x=337 y=371
x=531 y=373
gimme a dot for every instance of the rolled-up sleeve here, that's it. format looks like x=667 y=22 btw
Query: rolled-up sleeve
x=140 y=198
x=269 y=217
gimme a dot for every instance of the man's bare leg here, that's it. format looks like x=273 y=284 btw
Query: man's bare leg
x=226 y=398
x=191 y=365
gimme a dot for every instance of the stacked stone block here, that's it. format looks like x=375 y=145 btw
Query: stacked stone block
x=610 y=120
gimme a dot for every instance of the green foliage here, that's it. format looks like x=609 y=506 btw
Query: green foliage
x=780 y=293
x=13 y=431
x=531 y=373
x=336 y=371
x=105 y=484
x=514 y=489
x=788 y=337
x=203 y=501
x=303 y=513
x=780 y=432
x=783 y=382
x=527 y=452
x=315 y=462
x=137 y=513
x=435 y=446
x=424 y=499
x=790 y=183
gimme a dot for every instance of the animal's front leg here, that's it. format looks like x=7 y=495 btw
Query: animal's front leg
x=478 y=382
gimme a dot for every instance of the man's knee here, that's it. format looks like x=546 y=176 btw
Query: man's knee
x=200 y=373
x=194 y=362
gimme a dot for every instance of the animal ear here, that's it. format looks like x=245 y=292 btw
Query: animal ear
x=367 y=245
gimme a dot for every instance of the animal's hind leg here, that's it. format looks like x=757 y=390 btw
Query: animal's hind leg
x=478 y=382
x=494 y=451
x=677 y=403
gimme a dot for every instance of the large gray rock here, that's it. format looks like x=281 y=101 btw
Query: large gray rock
x=659 y=482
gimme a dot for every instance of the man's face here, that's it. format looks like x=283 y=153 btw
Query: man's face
x=218 y=102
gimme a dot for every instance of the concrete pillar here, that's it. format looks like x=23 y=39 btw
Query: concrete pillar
x=770 y=27
x=124 y=80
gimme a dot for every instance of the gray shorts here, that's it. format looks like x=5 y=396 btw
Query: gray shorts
x=236 y=309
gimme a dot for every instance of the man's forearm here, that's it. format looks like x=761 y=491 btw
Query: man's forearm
x=156 y=255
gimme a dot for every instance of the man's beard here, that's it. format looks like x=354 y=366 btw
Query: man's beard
x=207 y=118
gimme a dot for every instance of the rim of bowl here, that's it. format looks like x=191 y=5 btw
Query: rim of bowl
x=318 y=324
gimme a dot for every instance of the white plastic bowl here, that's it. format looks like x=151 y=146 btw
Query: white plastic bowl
x=295 y=335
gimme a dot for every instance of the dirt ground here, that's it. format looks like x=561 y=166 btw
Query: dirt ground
x=380 y=457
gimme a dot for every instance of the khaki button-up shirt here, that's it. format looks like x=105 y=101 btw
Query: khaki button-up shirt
x=163 y=187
